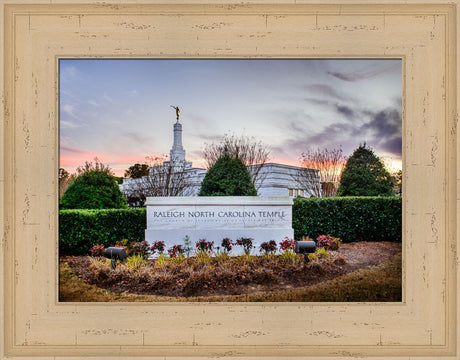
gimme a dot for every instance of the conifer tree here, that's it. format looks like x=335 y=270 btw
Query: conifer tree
x=365 y=175
x=228 y=177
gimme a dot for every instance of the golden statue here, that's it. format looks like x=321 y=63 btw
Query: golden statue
x=177 y=111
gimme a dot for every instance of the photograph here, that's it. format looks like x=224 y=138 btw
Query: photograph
x=230 y=180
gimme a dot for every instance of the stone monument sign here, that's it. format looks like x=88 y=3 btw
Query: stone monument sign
x=262 y=218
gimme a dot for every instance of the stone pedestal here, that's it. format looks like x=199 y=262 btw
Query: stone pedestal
x=261 y=218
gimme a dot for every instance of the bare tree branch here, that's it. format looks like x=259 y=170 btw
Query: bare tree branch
x=253 y=153
x=329 y=164
x=164 y=179
x=308 y=180
x=168 y=179
x=97 y=166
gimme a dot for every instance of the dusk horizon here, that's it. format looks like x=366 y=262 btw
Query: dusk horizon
x=120 y=110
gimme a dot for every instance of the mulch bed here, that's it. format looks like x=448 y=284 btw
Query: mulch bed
x=231 y=277
x=362 y=254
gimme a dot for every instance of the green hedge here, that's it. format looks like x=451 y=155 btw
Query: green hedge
x=349 y=218
x=79 y=230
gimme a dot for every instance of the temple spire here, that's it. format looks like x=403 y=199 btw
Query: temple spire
x=177 y=152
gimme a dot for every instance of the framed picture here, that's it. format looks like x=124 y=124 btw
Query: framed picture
x=37 y=36
x=268 y=113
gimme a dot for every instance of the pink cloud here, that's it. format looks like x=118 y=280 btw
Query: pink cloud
x=285 y=161
x=71 y=158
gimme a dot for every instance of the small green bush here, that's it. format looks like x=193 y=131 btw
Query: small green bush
x=349 y=218
x=79 y=230
x=93 y=189
x=228 y=177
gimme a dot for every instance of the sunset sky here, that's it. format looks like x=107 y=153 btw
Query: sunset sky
x=119 y=110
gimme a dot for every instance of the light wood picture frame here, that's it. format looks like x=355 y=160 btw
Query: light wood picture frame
x=37 y=34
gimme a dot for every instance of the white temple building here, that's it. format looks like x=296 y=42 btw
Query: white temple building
x=274 y=179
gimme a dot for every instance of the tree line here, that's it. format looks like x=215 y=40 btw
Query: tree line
x=234 y=167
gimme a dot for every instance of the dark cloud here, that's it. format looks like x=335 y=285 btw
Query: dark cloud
x=322 y=91
x=382 y=130
x=300 y=141
x=297 y=127
x=365 y=73
x=330 y=99
x=385 y=124
x=344 y=77
x=346 y=111
x=393 y=146
x=318 y=101
x=331 y=133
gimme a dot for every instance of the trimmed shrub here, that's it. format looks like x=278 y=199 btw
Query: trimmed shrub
x=349 y=218
x=94 y=189
x=228 y=177
x=79 y=230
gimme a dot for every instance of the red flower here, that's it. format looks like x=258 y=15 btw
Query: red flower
x=158 y=246
x=175 y=250
x=287 y=244
x=204 y=246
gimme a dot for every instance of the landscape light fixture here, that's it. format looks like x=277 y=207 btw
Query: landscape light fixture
x=114 y=254
x=305 y=247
